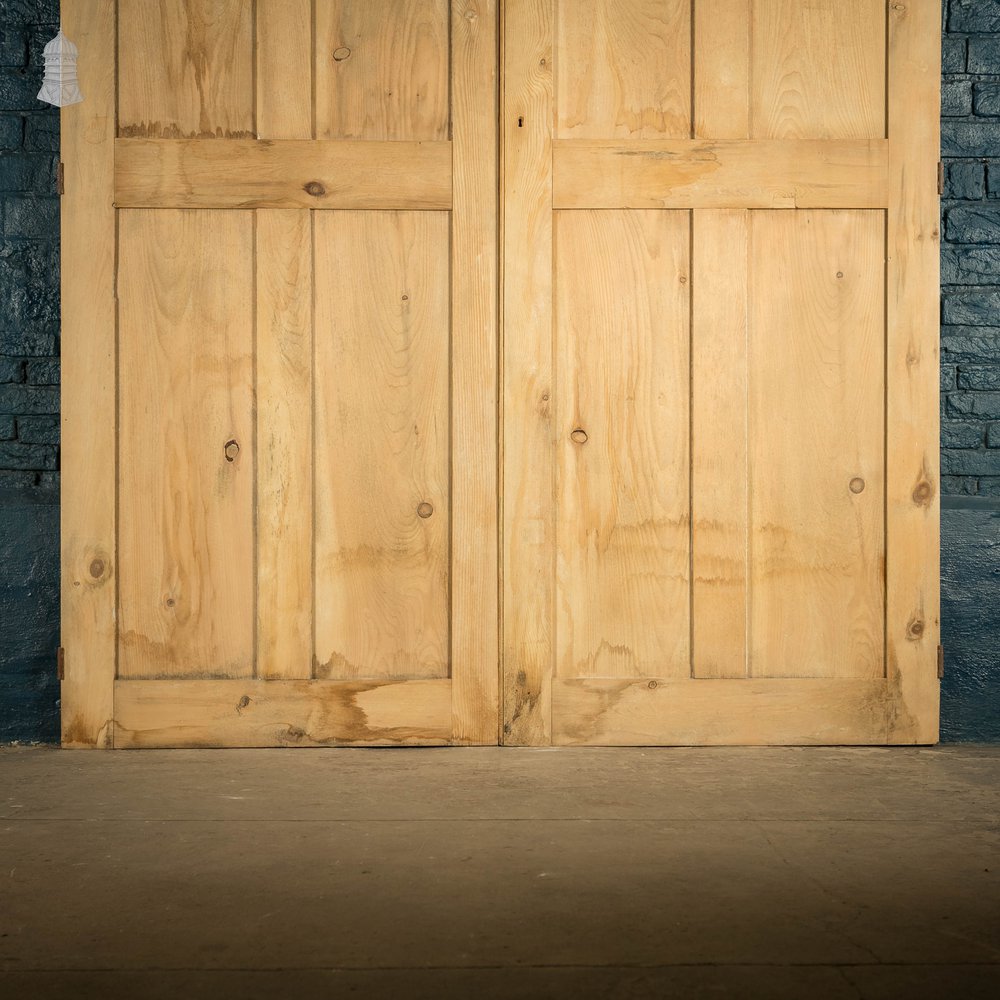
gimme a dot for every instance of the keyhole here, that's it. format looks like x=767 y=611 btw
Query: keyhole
x=520 y=121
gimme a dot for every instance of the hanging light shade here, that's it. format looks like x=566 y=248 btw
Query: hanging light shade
x=60 y=86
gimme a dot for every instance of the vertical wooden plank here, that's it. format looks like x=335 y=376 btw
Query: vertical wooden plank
x=912 y=460
x=283 y=259
x=284 y=443
x=382 y=444
x=818 y=69
x=284 y=69
x=719 y=469
x=622 y=339
x=623 y=69
x=722 y=69
x=817 y=459
x=528 y=529
x=185 y=69
x=382 y=69
x=186 y=595
x=474 y=590
x=89 y=557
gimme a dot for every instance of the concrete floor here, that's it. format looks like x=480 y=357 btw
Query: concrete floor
x=500 y=873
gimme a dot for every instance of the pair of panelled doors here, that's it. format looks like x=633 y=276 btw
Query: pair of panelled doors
x=464 y=371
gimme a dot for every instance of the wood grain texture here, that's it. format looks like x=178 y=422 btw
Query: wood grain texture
x=186 y=577
x=88 y=433
x=185 y=69
x=623 y=69
x=817 y=425
x=382 y=445
x=382 y=69
x=699 y=173
x=528 y=461
x=249 y=713
x=284 y=77
x=622 y=335
x=283 y=255
x=818 y=69
x=474 y=460
x=913 y=423
x=285 y=173
x=722 y=69
x=819 y=711
x=719 y=447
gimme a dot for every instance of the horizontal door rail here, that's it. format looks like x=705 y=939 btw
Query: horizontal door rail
x=738 y=173
x=282 y=173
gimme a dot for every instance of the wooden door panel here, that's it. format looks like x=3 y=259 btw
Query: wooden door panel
x=186 y=454
x=621 y=359
x=186 y=69
x=382 y=445
x=382 y=69
x=817 y=433
x=624 y=69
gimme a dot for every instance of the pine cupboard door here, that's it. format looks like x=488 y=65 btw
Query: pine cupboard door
x=280 y=301
x=720 y=284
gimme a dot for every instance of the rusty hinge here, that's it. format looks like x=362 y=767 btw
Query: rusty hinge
x=61 y=663
x=61 y=178
x=940 y=671
x=940 y=178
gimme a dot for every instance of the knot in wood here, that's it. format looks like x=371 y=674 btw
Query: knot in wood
x=232 y=450
x=579 y=435
x=915 y=630
x=922 y=493
x=857 y=485
x=97 y=568
x=315 y=189
x=424 y=510
x=342 y=53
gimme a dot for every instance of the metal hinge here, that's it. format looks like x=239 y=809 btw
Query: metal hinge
x=61 y=178
x=61 y=663
x=940 y=662
x=940 y=178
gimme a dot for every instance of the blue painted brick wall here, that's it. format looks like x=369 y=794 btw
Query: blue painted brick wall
x=29 y=252
x=970 y=251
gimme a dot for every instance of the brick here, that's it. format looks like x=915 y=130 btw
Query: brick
x=36 y=342
x=972 y=308
x=973 y=225
x=974 y=15
x=964 y=181
x=11 y=370
x=986 y=99
x=970 y=138
x=19 y=480
x=958 y=404
x=11 y=131
x=29 y=12
x=953 y=435
x=34 y=457
x=970 y=265
x=42 y=371
x=979 y=377
x=989 y=487
x=970 y=463
x=33 y=172
x=993 y=436
x=41 y=133
x=956 y=99
x=959 y=486
x=953 y=55
x=19 y=90
x=969 y=343
x=13 y=47
x=31 y=218
x=8 y=429
x=45 y=430
x=29 y=287
x=984 y=55
x=29 y=399
x=947 y=378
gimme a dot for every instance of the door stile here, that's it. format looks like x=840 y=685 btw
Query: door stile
x=913 y=578
x=528 y=540
x=89 y=572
